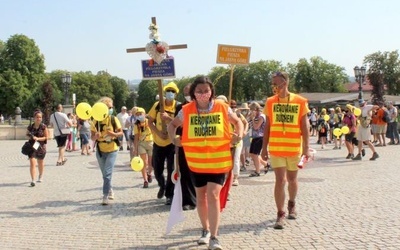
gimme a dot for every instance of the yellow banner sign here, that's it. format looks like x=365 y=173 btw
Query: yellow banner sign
x=229 y=54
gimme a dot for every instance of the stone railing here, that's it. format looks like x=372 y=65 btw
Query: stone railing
x=11 y=132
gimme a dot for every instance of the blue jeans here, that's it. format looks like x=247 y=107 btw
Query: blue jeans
x=106 y=164
x=392 y=132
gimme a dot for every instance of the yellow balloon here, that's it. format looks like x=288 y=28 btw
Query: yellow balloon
x=337 y=132
x=99 y=111
x=326 y=117
x=345 y=130
x=84 y=110
x=137 y=164
x=357 y=112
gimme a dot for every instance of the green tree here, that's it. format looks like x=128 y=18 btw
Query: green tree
x=14 y=91
x=387 y=64
x=120 y=92
x=146 y=94
x=21 y=54
x=21 y=71
x=318 y=75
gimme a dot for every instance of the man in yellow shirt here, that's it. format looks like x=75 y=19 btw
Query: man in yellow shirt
x=163 y=149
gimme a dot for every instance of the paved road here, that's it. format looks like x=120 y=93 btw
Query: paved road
x=342 y=204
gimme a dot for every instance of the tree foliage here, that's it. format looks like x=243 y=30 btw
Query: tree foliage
x=148 y=89
x=317 y=75
x=386 y=64
x=21 y=71
x=23 y=81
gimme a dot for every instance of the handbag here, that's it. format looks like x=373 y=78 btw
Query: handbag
x=64 y=131
x=27 y=148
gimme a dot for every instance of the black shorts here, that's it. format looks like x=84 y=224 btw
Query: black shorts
x=201 y=180
x=61 y=140
x=349 y=137
x=256 y=145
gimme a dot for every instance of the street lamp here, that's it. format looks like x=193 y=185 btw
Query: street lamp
x=66 y=80
x=359 y=73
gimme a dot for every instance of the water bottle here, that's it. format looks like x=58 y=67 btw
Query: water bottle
x=302 y=161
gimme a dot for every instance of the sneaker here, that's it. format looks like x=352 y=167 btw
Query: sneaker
x=348 y=156
x=40 y=179
x=128 y=148
x=149 y=178
x=242 y=168
x=32 y=184
x=205 y=237
x=247 y=162
x=292 y=210
x=105 y=200
x=214 y=244
x=374 y=156
x=335 y=147
x=357 y=158
x=146 y=184
x=111 y=194
x=363 y=152
x=280 y=220
x=160 y=193
x=121 y=148
x=235 y=182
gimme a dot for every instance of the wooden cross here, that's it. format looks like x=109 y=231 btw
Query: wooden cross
x=160 y=87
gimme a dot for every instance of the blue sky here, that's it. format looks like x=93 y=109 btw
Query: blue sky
x=79 y=35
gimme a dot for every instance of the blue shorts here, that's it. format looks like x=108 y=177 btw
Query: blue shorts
x=84 y=139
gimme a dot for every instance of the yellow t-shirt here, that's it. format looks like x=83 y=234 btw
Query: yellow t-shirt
x=146 y=134
x=106 y=144
x=156 y=116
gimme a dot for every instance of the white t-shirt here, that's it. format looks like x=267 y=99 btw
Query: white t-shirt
x=122 y=119
x=62 y=120
x=366 y=110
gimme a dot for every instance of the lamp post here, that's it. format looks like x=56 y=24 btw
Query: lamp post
x=359 y=73
x=66 y=80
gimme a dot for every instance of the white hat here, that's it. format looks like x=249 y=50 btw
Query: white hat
x=222 y=98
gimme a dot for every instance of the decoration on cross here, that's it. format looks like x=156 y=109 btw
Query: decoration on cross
x=157 y=49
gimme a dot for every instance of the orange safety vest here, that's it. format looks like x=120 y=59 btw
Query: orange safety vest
x=206 y=139
x=284 y=119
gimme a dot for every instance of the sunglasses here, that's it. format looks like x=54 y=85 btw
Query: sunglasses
x=278 y=73
x=170 y=90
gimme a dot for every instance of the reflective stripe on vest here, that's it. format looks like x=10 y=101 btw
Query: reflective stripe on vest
x=285 y=131
x=206 y=138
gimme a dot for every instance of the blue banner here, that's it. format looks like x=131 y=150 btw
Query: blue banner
x=166 y=69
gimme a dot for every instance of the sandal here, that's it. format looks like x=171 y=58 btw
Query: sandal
x=255 y=174
x=64 y=161
x=59 y=163
x=83 y=154
x=266 y=168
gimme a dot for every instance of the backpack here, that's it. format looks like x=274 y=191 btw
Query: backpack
x=322 y=127
x=386 y=116
x=364 y=121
